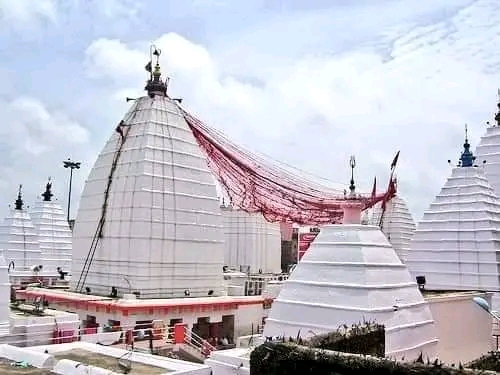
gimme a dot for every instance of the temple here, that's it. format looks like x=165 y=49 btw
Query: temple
x=455 y=244
x=251 y=244
x=54 y=234
x=19 y=241
x=350 y=274
x=396 y=222
x=149 y=220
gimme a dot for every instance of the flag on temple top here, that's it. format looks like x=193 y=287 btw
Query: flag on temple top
x=395 y=161
x=148 y=67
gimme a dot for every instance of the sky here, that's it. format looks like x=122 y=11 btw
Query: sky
x=308 y=83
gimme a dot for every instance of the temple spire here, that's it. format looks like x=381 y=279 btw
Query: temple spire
x=352 y=187
x=497 y=115
x=47 y=195
x=19 y=201
x=155 y=86
x=466 y=158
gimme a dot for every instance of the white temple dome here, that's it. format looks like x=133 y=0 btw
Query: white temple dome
x=18 y=239
x=455 y=244
x=352 y=274
x=54 y=233
x=162 y=234
x=251 y=242
x=397 y=224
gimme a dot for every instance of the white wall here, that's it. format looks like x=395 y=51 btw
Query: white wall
x=464 y=328
x=230 y=362
x=250 y=240
x=246 y=317
x=38 y=330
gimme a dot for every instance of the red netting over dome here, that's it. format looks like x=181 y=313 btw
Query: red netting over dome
x=256 y=185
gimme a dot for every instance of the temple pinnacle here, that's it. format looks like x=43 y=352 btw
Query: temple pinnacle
x=497 y=115
x=466 y=158
x=19 y=201
x=47 y=195
x=155 y=86
x=352 y=187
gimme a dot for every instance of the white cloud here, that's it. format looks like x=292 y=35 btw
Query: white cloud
x=315 y=111
x=27 y=11
x=117 y=8
x=37 y=129
x=34 y=141
x=27 y=14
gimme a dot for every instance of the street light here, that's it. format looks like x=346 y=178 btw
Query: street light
x=71 y=165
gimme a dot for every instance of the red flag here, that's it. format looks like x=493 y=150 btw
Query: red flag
x=374 y=190
x=395 y=161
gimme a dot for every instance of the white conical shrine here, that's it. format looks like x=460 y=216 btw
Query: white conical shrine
x=19 y=241
x=488 y=153
x=149 y=219
x=352 y=274
x=4 y=298
x=455 y=245
x=53 y=232
x=396 y=223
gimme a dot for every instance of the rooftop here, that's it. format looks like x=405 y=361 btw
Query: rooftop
x=63 y=295
x=447 y=294
x=64 y=358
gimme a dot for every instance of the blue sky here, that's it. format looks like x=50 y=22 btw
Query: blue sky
x=308 y=83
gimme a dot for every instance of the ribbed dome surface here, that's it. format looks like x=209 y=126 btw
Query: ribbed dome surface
x=54 y=235
x=457 y=241
x=250 y=240
x=397 y=224
x=162 y=232
x=349 y=274
x=488 y=150
x=19 y=241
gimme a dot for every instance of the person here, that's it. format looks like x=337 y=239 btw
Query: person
x=150 y=336
x=224 y=341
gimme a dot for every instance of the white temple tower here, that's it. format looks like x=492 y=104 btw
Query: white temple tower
x=396 y=223
x=4 y=298
x=53 y=232
x=19 y=241
x=455 y=245
x=352 y=274
x=149 y=219
x=488 y=153
x=250 y=241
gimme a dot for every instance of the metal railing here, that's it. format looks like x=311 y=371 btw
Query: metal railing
x=139 y=339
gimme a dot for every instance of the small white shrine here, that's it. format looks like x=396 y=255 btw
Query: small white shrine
x=19 y=241
x=396 y=222
x=352 y=274
x=54 y=233
x=455 y=245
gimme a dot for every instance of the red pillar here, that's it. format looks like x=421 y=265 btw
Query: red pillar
x=180 y=330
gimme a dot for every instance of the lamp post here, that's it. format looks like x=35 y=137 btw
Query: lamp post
x=71 y=165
